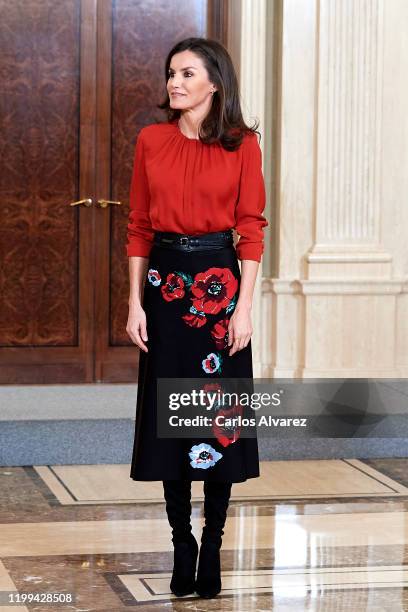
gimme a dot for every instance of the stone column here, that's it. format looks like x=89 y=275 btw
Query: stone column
x=247 y=45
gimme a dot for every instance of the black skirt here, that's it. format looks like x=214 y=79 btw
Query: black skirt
x=188 y=298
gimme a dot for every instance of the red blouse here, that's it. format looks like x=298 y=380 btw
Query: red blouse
x=180 y=184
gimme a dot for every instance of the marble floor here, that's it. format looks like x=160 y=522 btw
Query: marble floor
x=327 y=535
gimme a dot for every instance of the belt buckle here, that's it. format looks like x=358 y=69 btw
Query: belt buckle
x=185 y=238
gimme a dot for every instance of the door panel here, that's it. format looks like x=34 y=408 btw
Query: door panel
x=44 y=328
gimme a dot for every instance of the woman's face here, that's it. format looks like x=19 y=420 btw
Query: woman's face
x=189 y=78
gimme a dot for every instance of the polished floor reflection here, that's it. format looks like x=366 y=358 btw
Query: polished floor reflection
x=306 y=535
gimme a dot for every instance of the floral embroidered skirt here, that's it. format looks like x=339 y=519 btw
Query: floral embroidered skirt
x=189 y=298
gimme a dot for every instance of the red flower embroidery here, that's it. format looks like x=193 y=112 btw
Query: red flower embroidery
x=212 y=389
x=220 y=334
x=212 y=386
x=173 y=288
x=224 y=432
x=213 y=290
x=195 y=319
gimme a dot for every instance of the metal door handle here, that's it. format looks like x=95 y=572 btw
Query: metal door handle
x=105 y=203
x=86 y=202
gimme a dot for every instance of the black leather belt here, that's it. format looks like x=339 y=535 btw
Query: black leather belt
x=194 y=242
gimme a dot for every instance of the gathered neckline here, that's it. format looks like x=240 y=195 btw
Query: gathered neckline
x=176 y=125
x=198 y=141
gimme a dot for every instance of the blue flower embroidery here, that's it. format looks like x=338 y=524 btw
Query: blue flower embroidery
x=212 y=363
x=154 y=277
x=203 y=456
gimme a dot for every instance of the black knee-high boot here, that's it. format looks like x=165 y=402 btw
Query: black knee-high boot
x=216 y=501
x=177 y=494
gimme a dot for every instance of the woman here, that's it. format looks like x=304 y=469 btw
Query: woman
x=195 y=177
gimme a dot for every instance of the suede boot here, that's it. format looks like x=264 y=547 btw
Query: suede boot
x=216 y=501
x=177 y=494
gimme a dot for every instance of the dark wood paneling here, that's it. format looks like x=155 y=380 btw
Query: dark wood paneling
x=39 y=64
x=45 y=300
x=218 y=20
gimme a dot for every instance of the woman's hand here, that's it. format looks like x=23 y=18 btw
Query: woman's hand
x=136 y=326
x=239 y=328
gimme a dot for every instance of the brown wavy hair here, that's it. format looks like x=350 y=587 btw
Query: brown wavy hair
x=224 y=122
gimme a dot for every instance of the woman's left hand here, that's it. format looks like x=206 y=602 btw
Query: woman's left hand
x=239 y=328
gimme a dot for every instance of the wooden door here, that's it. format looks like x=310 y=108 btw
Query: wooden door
x=79 y=80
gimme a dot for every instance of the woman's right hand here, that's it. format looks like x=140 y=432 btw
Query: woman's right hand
x=136 y=326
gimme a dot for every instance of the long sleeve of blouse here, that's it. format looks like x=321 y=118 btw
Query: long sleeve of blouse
x=180 y=184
